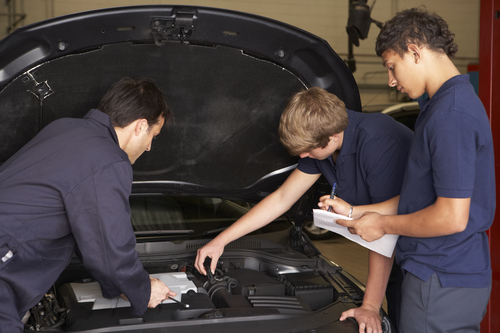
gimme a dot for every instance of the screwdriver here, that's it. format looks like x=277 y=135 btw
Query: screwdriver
x=183 y=304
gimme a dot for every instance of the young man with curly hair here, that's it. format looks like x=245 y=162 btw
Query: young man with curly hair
x=447 y=201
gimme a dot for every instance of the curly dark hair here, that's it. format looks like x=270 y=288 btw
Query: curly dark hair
x=416 y=26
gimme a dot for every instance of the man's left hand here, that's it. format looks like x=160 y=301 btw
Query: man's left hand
x=159 y=292
x=368 y=227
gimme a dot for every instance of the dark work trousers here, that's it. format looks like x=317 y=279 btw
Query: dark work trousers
x=426 y=307
x=393 y=295
x=21 y=289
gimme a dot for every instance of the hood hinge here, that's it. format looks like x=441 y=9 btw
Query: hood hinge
x=178 y=27
x=298 y=240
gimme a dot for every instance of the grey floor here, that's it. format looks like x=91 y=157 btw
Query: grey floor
x=350 y=256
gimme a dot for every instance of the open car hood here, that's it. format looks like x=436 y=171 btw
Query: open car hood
x=227 y=76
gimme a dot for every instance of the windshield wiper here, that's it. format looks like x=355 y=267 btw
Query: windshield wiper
x=164 y=232
x=214 y=231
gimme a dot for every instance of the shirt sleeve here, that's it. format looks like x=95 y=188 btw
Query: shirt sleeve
x=453 y=143
x=99 y=214
x=308 y=165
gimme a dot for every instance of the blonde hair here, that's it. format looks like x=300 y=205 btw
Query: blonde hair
x=310 y=118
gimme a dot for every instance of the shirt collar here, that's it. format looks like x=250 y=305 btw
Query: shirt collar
x=349 y=145
x=104 y=119
x=458 y=79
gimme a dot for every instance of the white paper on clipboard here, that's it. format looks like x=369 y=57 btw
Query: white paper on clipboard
x=326 y=220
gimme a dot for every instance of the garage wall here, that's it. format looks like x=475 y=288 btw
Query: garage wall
x=324 y=18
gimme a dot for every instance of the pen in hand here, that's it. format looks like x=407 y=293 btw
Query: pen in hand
x=332 y=195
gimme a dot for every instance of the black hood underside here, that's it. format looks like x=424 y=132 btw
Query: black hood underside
x=227 y=77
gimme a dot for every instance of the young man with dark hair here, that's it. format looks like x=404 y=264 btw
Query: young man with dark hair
x=68 y=189
x=128 y=100
x=447 y=201
x=364 y=154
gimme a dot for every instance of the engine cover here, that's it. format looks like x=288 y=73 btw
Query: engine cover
x=90 y=292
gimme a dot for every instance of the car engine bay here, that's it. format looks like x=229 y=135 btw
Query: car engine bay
x=240 y=287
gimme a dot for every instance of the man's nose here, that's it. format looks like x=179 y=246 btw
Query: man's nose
x=392 y=80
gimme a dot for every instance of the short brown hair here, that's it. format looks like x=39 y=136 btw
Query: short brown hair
x=128 y=100
x=416 y=26
x=310 y=118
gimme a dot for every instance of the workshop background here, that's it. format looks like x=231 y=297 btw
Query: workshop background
x=328 y=19
x=324 y=18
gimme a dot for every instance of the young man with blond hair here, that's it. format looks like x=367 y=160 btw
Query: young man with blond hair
x=364 y=154
x=447 y=201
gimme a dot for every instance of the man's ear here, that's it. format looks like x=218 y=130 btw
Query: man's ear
x=140 y=126
x=415 y=52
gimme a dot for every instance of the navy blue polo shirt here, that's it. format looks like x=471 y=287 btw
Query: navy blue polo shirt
x=371 y=162
x=452 y=157
x=69 y=187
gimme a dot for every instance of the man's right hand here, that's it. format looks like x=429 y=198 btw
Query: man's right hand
x=159 y=292
x=338 y=205
x=211 y=250
x=368 y=318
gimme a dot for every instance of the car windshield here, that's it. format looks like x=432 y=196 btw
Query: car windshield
x=163 y=215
